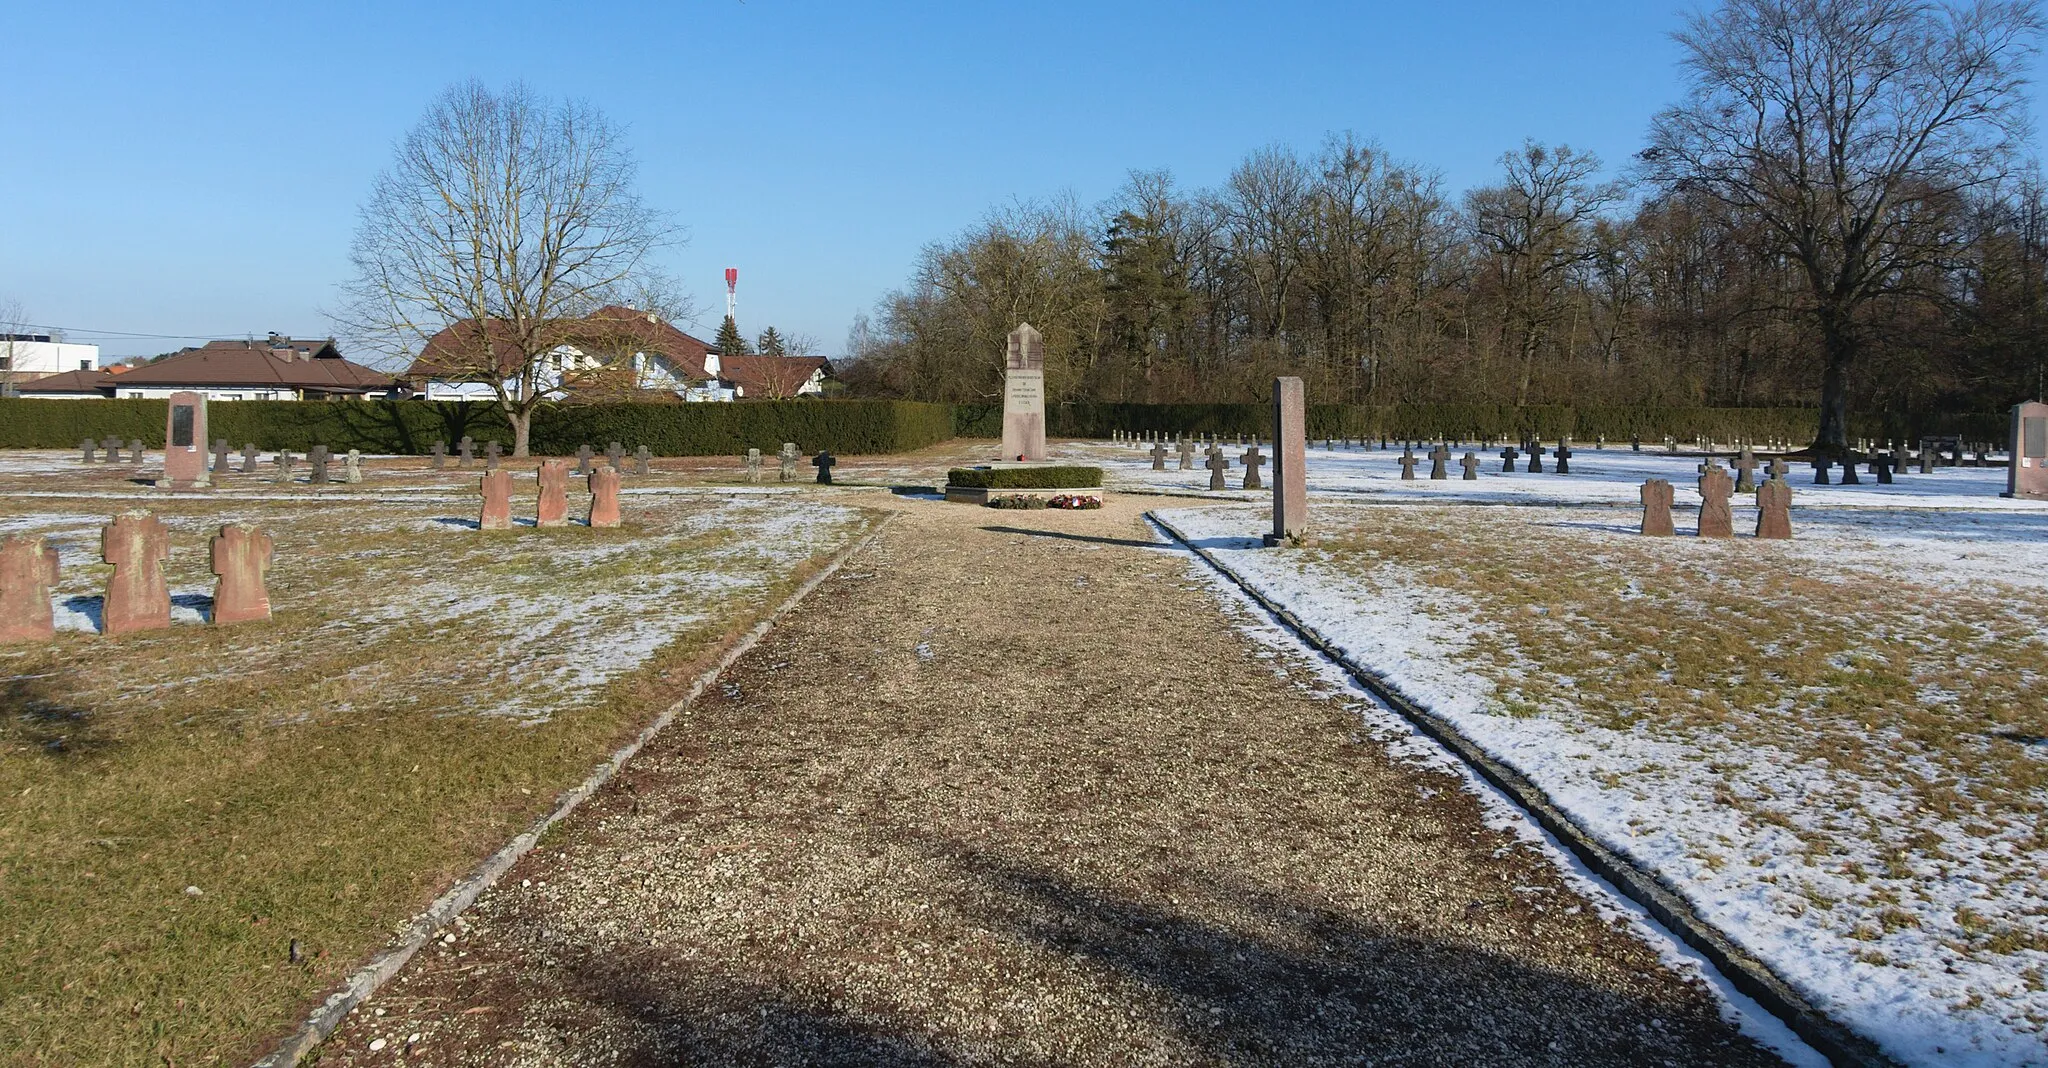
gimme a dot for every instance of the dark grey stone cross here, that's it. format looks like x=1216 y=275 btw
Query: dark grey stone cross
x=1217 y=465
x=1564 y=457
x=466 y=450
x=824 y=463
x=1437 y=457
x=1159 y=457
x=1407 y=462
x=1508 y=456
x=1252 y=462
x=440 y=454
x=584 y=454
x=249 y=458
x=1471 y=465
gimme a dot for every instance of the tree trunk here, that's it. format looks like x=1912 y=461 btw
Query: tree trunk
x=522 y=430
x=1840 y=349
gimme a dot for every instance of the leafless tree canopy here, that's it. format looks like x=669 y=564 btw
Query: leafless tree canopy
x=1832 y=212
x=1852 y=133
x=510 y=217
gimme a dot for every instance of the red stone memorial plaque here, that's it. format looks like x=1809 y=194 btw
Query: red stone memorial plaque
x=2028 y=474
x=185 y=442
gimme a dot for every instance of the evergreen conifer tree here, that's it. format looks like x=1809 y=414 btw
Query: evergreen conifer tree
x=771 y=343
x=730 y=341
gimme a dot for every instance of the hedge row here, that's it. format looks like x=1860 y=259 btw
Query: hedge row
x=1469 y=422
x=1025 y=477
x=849 y=427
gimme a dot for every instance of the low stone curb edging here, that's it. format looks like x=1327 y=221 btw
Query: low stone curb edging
x=386 y=964
x=1840 y=1045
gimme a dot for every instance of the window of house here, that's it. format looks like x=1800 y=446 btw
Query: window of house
x=85 y=365
x=6 y=363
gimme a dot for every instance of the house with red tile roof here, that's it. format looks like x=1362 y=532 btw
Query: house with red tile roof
x=275 y=368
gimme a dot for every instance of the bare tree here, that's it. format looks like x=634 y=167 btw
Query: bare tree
x=13 y=323
x=508 y=218
x=1851 y=129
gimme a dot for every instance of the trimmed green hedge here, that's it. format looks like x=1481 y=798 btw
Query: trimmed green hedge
x=1469 y=422
x=1024 y=477
x=847 y=427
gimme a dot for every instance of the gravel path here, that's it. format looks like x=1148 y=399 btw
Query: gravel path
x=1010 y=789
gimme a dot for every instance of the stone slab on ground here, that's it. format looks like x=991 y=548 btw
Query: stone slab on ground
x=1013 y=788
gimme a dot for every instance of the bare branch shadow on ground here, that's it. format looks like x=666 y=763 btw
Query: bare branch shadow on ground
x=1285 y=982
x=1064 y=536
x=29 y=716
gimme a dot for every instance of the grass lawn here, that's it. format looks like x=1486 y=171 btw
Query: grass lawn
x=179 y=809
x=1834 y=746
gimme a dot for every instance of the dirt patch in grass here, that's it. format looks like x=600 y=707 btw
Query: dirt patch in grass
x=203 y=829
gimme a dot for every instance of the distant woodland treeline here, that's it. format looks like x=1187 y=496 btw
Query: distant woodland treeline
x=1363 y=275
x=1719 y=273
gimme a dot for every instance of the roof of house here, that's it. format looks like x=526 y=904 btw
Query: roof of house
x=770 y=377
x=459 y=350
x=310 y=366
x=68 y=382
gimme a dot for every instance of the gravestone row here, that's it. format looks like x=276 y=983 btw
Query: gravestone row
x=138 y=597
x=1773 y=499
x=551 y=508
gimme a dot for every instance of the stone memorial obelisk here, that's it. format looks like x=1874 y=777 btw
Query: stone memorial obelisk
x=185 y=442
x=1290 y=453
x=2026 y=475
x=1024 y=396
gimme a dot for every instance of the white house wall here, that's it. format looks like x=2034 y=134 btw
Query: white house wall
x=41 y=358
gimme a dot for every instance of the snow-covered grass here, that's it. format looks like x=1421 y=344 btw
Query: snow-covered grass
x=1831 y=746
x=423 y=689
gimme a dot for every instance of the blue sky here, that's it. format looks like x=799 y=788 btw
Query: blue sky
x=195 y=169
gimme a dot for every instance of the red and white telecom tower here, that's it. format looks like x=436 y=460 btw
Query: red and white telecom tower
x=732 y=298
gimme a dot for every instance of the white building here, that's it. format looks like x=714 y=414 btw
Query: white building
x=26 y=357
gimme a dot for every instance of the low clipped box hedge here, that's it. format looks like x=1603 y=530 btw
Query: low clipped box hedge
x=1022 y=478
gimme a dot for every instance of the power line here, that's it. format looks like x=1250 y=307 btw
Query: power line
x=81 y=331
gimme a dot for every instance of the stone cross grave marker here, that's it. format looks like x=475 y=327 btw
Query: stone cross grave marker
x=1290 y=459
x=110 y=450
x=1471 y=465
x=86 y=449
x=1774 y=509
x=1187 y=455
x=1217 y=465
x=1536 y=451
x=241 y=557
x=1928 y=455
x=1508 y=456
x=1656 y=494
x=1745 y=465
x=138 y=598
x=1024 y=395
x=1820 y=470
x=285 y=463
x=1564 y=456
x=134 y=450
x=465 y=451
x=440 y=455
x=1407 y=462
x=185 y=440
x=789 y=456
x=318 y=458
x=824 y=462
x=642 y=457
x=1777 y=468
x=1849 y=470
x=1881 y=466
x=496 y=488
x=753 y=465
x=584 y=454
x=615 y=454
x=1715 y=487
x=28 y=572
x=221 y=453
x=2026 y=473
x=1635 y=444
x=552 y=510
x=249 y=457
x=1159 y=457
x=1438 y=457
x=1252 y=461
x=492 y=452
x=352 y=469
x=604 y=497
